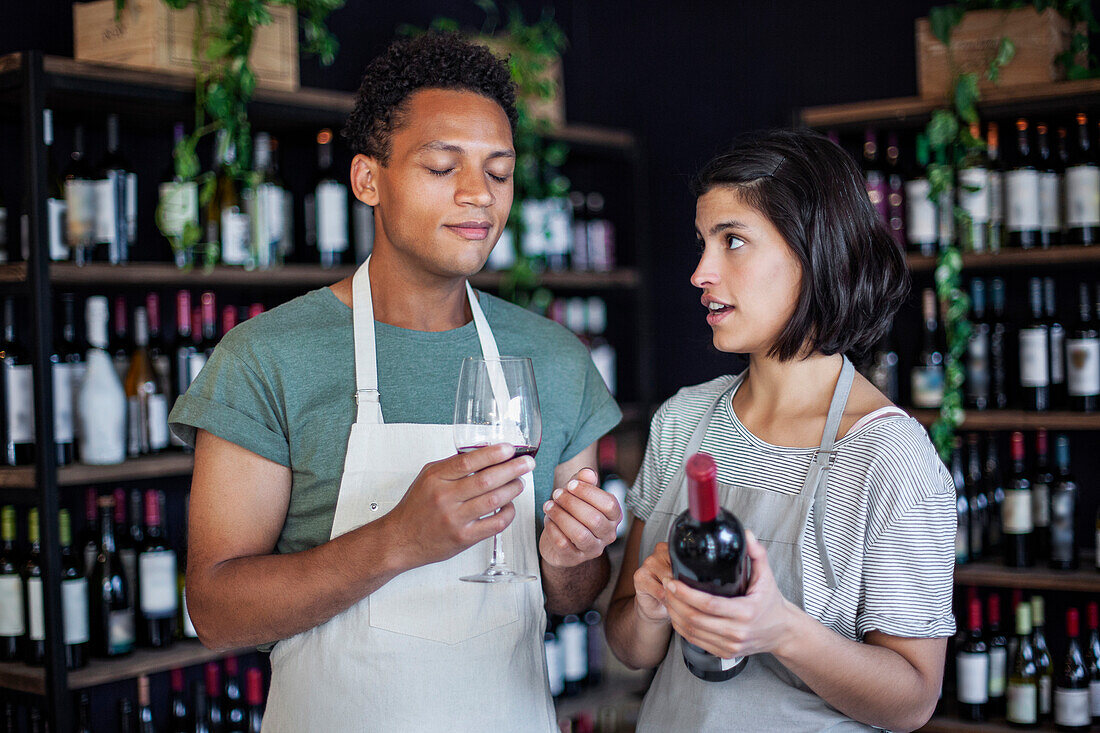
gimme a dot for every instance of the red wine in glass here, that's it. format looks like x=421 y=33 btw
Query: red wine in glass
x=521 y=450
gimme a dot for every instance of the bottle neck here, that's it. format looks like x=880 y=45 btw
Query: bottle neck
x=106 y=529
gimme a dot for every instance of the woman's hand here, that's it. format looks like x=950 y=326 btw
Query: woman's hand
x=649 y=584
x=760 y=621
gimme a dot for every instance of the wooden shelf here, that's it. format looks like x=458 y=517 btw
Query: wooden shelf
x=1056 y=256
x=24 y=678
x=948 y=724
x=1017 y=420
x=991 y=573
x=1066 y=96
x=159 y=466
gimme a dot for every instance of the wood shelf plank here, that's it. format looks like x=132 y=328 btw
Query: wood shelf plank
x=947 y=724
x=993 y=574
x=1017 y=420
x=159 y=466
x=1056 y=256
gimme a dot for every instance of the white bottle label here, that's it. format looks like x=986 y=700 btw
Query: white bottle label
x=974 y=193
x=574 y=646
x=920 y=215
x=157 y=406
x=131 y=207
x=1040 y=504
x=998 y=668
x=235 y=236
x=62 y=403
x=973 y=676
x=134 y=432
x=1083 y=367
x=927 y=387
x=179 y=204
x=996 y=197
x=120 y=631
x=74 y=607
x=80 y=202
x=1023 y=703
x=1050 y=202
x=1094 y=699
x=332 y=217
x=554 y=666
x=55 y=227
x=1083 y=196
x=106 y=208
x=19 y=395
x=1071 y=707
x=1023 y=200
x=1016 y=512
x=158 y=583
x=1046 y=693
x=11 y=606
x=36 y=610
x=1034 y=358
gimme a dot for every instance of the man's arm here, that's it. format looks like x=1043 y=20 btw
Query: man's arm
x=580 y=523
x=240 y=594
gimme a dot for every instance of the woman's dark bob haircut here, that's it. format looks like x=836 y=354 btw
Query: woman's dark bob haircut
x=854 y=276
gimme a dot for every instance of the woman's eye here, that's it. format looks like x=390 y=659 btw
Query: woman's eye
x=434 y=172
x=733 y=242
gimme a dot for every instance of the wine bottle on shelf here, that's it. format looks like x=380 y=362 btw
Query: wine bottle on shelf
x=972 y=668
x=234 y=714
x=112 y=610
x=200 y=712
x=121 y=345
x=12 y=614
x=326 y=208
x=1050 y=191
x=160 y=359
x=1022 y=192
x=1071 y=692
x=84 y=716
x=1016 y=524
x=974 y=196
x=993 y=485
x=962 y=505
x=996 y=188
x=80 y=201
x=976 y=500
x=156 y=579
x=607 y=451
x=596 y=644
x=574 y=644
x=147 y=403
x=874 y=176
x=209 y=321
x=921 y=220
x=125 y=715
x=74 y=598
x=126 y=542
x=145 y=711
x=1022 y=703
x=895 y=186
x=602 y=352
x=229 y=319
x=1041 y=482
x=34 y=644
x=600 y=234
x=1063 y=511
x=1043 y=661
x=1082 y=188
x=1083 y=357
x=67 y=368
x=554 y=662
x=101 y=406
x=179 y=711
x=267 y=205
x=1092 y=660
x=17 y=396
x=214 y=712
x=977 y=348
x=1057 y=346
x=178 y=207
x=90 y=534
x=116 y=200
x=227 y=225
x=708 y=552
x=927 y=376
x=998 y=657
x=1034 y=341
x=998 y=346
x=185 y=344
x=55 y=196
x=254 y=685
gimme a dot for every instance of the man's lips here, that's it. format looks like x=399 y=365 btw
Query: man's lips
x=472 y=230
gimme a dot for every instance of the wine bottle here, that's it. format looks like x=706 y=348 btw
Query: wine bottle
x=596 y=645
x=977 y=347
x=159 y=359
x=121 y=345
x=101 y=406
x=178 y=208
x=1034 y=339
x=996 y=188
x=55 y=196
x=12 y=614
x=574 y=645
x=112 y=611
x=254 y=684
x=1050 y=191
x=148 y=405
x=17 y=387
x=227 y=225
x=156 y=579
x=1022 y=192
x=66 y=366
x=1083 y=357
x=976 y=499
x=1071 y=693
x=994 y=492
x=267 y=210
x=998 y=657
x=554 y=662
x=234 y=714
x=116 y=200
x=74 y=598
x=1063 y=511
x=874 y=176
x=144 y=711
x=127 y=543
x=90 y=534
x=80 y=201
x=1082 y=188
x=209 y=330
x=895 y=186
x=962 y=505
x=1057 y=346
x=972 y=665
x=921 y=221
x=329 y=206
x=974 y=193
x=84 y=716
x=185 y=344
x=998 y=346
x=34 y=644
x=179 y=712
x=1043 y=661
x=708 y=552
x=1016 y=521
x=125 y=716
x=1023 y=680
x=927 y=376
x=214 y=716
x=1092 y=660
x=1041 y=481
x=600 y=349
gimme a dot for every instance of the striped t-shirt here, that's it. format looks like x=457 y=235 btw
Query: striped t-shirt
x=889 y=521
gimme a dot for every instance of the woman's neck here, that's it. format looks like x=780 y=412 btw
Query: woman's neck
x=793 y=388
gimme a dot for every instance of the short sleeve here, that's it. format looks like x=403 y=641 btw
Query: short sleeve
x=230 y=399
x=643 y=495
x=908 y=573
x=598 y=413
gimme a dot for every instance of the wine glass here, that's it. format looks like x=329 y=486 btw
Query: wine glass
x=496 y=403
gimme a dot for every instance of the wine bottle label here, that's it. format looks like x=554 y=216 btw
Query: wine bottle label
x=977 y=364
x=1023 y=702
x=1022 y=188
x=179 y=205
x=574 y=646
x=55 y=228
x=555 y=666
x=600 y=235
x=1046 y=694
x=920 y=213
x=107 y=204
x=134 y=426
x=1094 y=699
x=11 y=606
x=157 y=410
x=1050 y=202
x=559 y=222
x=927 y=386
x=1071 y=707
x=974 y=193
x=158 y=584
x=1083 y=367
x=74 y=609
x=19 y=398
x=195 y=363
x=268 y=223
x=1061 y=527
x=945 y=213
x=80 y=203
x=332 y=216
x=188 y=627
x=36 y=623
x=1034 y=358
x=1083 y=196
x=998 y=668
x=120 y=631
x=1040 y=504
x=973 y=676
x=1016 y=512
x=62 y=402
x=1057 y=355
x=996 y=197
x=131 y=206
x=235 y=236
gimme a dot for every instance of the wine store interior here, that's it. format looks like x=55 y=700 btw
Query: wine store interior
x=173 y=170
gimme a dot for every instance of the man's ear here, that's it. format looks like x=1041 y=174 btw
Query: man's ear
x=364 y=179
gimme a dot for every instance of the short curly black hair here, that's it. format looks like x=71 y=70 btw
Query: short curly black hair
x=431 y=61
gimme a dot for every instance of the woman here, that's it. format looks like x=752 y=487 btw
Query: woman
x=849 y=509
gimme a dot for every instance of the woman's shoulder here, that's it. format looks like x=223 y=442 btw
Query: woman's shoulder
x=689 y=403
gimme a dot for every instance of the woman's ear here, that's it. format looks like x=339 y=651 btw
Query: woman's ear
x=365 y=172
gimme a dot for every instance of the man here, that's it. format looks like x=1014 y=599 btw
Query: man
x=329 y=512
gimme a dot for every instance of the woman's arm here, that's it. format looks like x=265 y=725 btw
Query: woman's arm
x=637 y=624
x=887 y=681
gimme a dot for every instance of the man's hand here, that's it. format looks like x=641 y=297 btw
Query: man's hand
x=451 y=504
x=580 y=522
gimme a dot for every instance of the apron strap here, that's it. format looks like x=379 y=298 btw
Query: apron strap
x=696 y=440
x=824 y=460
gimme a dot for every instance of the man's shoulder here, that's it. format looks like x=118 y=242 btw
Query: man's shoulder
x=292 y=327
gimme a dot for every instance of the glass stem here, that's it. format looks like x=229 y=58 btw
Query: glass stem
x=498 y=553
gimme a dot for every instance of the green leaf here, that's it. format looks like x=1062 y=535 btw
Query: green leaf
x=943 y=20
x=1006 y=50
x=942 y=129
x=967 y=95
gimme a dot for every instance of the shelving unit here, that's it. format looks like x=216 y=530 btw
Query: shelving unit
x=1062 y=256
x=1017 y=420
x=994 y=574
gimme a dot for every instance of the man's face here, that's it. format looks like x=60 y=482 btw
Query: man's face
x=443 y=197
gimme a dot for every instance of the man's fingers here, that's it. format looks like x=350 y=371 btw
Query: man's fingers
x=492 y=477
x=596 y=497
x=494 y=524
x=487 y=503
x=464 y=464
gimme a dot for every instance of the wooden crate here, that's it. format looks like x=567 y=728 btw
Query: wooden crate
x=151 y=36
x=1039 y=39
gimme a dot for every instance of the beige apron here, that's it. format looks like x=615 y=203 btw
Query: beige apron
x=426 y=651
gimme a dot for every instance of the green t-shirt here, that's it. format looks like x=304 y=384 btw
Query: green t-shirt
x=281 y=385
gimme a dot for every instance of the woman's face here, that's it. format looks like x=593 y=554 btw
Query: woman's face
x=749 y=276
